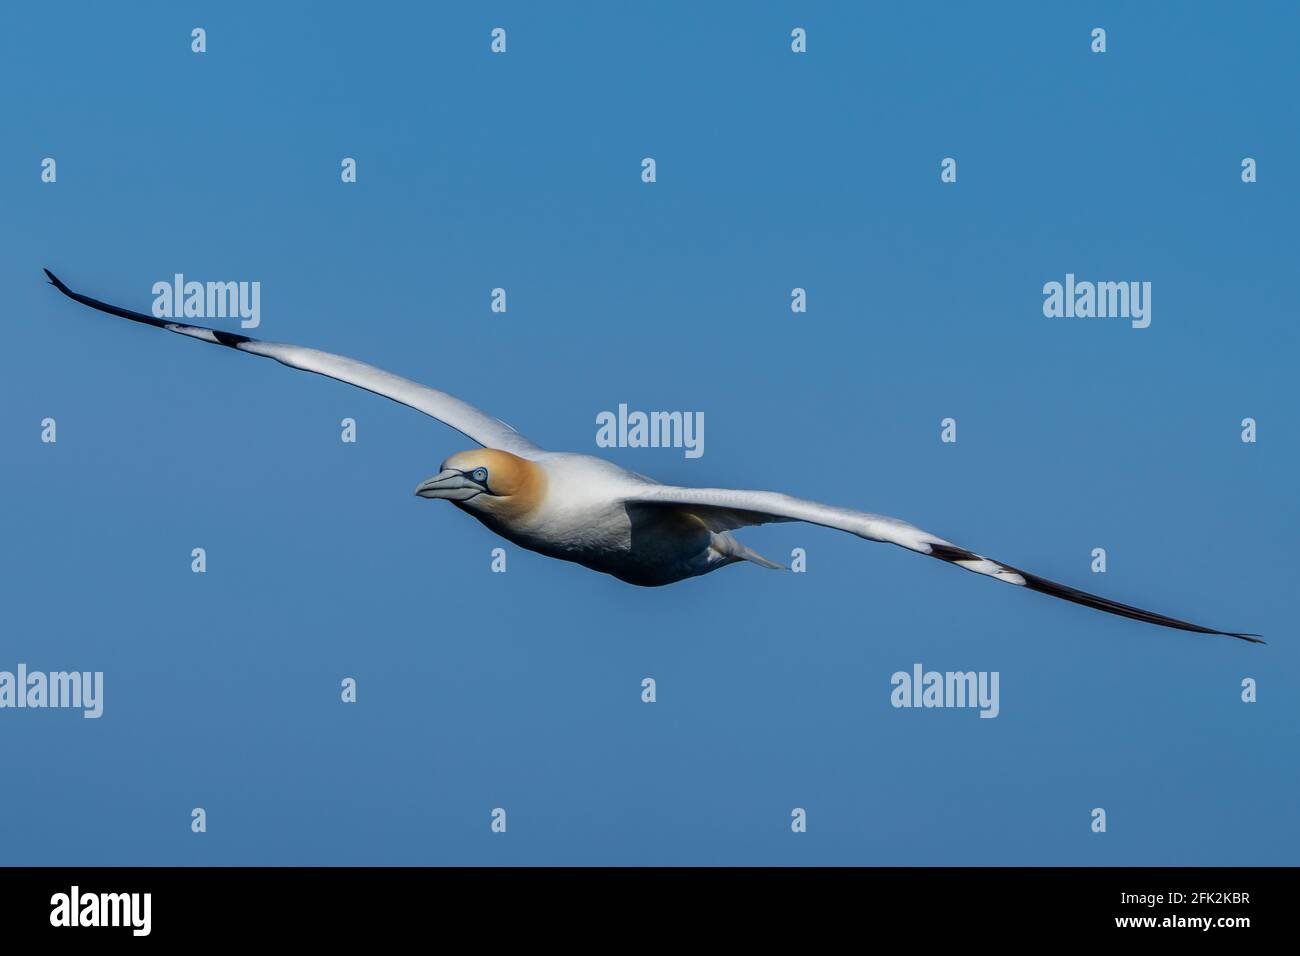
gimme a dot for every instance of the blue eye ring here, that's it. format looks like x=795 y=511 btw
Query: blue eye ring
x=480 y=475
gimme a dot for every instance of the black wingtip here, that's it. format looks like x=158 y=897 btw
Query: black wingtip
x=953 y=554
x=56 y=281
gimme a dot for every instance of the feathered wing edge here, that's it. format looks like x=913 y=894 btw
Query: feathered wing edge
x=726 y=509
x=956 y=555
x=460 y=415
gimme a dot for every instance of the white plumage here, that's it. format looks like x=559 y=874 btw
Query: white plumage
x=589 y=511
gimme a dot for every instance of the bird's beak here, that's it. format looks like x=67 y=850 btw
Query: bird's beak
x=449 y=484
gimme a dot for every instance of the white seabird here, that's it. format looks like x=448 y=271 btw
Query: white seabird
x=590 y=511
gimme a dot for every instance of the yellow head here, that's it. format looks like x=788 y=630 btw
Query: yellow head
x=488 y=480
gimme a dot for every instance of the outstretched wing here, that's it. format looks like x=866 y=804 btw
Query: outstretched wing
x=723 y=509
x=465 y=418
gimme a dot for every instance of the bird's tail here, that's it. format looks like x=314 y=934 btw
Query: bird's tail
x=726 y=545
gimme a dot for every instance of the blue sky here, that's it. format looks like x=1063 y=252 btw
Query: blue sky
x=775 y=170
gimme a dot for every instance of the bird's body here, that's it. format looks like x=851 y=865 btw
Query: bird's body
x=586 y=513
x=589 y=511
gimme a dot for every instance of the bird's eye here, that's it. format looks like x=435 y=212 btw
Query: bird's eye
x=479 y=475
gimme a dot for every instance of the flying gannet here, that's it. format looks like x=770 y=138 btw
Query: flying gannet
x=590 y=511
